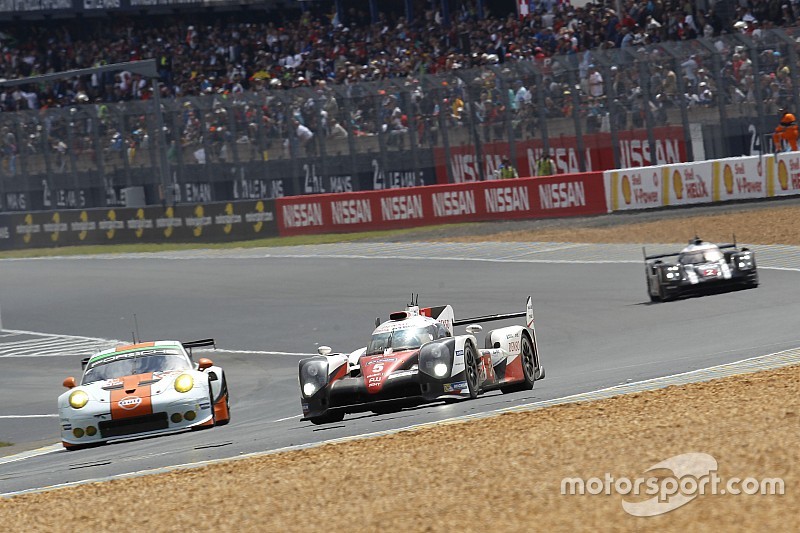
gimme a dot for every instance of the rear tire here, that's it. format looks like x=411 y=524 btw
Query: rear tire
x=327 y=418
x=528 y=368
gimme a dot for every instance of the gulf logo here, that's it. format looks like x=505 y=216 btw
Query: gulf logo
x=129 y=403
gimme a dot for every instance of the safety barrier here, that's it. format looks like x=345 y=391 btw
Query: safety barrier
x=211 y=222
x=553 y=196
x=704 y=182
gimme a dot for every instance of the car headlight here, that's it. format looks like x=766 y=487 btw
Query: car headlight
x=78 y=399
x=436 y=358
x=440 y=370
x=184 y=383
x=313 y=376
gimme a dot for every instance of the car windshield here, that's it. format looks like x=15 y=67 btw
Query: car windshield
x=700 y=256
x=129 y=364
x=400 y=339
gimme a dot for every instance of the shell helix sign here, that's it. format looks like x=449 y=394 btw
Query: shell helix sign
x=211 y=222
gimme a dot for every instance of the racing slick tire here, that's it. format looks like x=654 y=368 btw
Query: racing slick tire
x=224 y=421
x=471 y=370
x=528 y=368
x=335 y=415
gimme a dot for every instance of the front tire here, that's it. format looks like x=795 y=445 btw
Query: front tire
x=327 y=418
x=471 y=370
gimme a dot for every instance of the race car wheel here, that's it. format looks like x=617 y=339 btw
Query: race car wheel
x=471 y=370
x=327 y=418
x=223 y=421
x=528 y=368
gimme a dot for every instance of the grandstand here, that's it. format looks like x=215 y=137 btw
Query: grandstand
x=323 y=95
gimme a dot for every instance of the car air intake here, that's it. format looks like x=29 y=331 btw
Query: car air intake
x=133 y=426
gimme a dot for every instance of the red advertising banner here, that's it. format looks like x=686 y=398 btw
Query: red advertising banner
x=634 y=152
x=552 y=196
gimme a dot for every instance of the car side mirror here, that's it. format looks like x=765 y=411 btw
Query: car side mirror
x=474 y=328
x=204 y=363
x=377 y=321
x=69 y=382
x=324 y=350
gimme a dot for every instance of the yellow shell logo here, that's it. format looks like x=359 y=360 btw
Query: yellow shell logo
x=84 y=217
x=169 y=213
x=677 y=184
x=28 y=222
x=56 y=218
x=112 y=216
x=783 y=175
x=727 y=176
x=228 y=211
x=140 y=229
x=626 y=189
x=198 y=229
x=260 y=224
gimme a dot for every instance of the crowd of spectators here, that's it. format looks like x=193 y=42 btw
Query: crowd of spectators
x=229 y=57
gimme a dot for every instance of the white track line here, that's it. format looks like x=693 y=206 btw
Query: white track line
x=28 y=416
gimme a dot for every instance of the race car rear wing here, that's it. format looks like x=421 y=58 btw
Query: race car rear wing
x=198 y=344
x=696 y=240
x=528 y=314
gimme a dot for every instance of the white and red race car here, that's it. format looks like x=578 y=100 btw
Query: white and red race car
x=415 y=356
x=142 y=389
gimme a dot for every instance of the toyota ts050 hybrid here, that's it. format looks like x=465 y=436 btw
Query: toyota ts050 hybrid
x=142 y=389
x=415 y=355
x=701 y=266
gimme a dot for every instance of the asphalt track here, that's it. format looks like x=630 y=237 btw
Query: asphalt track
x=595 y=326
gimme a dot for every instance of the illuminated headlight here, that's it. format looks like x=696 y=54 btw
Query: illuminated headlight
x=184 y=383
x=436 y=359
x=78 y=399
x=313 y=376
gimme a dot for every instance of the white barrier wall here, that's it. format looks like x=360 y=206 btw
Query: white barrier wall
x=785 y=181
x=703 y=182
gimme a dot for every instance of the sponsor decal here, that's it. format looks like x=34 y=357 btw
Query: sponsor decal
x=169 y=222
x=259 y=217
x=139 y=223
x=228 y=219
x=456 y=386
x=562 y=195
x=382 y=360
x=677 y=184
x=302 y=215
x=129 y=402
x=111 y=224
x=402 y=207
x=507 y=199
x=28 y=228
x=453 y=203
x=198 y=221
x=459 y=352
x=783 y=173
x=55 y=227
x=352 y=211
x=83 y=226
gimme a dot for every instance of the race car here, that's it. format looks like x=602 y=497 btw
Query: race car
x=142 y=389
x=700 y=267
x=415 y=356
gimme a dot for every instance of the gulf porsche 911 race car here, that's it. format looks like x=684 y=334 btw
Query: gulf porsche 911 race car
x=142 y=389
x=700 y=267
x=415 y=356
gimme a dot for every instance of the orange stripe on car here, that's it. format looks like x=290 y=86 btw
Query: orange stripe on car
x=135 y=346
x=132 y=400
